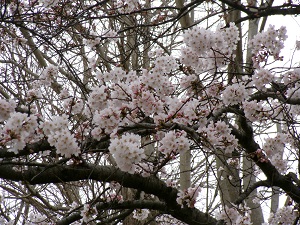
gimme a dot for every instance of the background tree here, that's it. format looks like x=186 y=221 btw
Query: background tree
x=147 y=112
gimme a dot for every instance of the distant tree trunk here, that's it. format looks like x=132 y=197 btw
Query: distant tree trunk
x=248 y=165
x=185 y=158
x=235 y=67
x=228 y=175
x=228 y=179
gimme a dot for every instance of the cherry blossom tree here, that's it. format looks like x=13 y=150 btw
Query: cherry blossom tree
x=148 y=112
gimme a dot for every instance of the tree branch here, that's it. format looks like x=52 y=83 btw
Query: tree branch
x=151 y=185
x=274 y=178
x=245 y=194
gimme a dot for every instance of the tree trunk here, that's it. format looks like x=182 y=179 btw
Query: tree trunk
x=185 y=158
x=248 y=166
x=228 y=179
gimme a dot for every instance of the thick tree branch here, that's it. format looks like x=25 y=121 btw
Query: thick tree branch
x=259 y=96
x=274 y=178
x=277 y=10
x=258 y=12
x=245 y=194
x=151 y=185
x=137 y=204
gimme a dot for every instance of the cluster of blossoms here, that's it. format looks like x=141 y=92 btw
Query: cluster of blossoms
x=174 y=142
x=233 y=162
x=73 y=105
x=255 y=111
x=127 y=6
x=116 y=75
x=219 y=135
x=19 y=130
x=165 y=64
x=88 y=213
x=274 y=148
x=258 y=198
x=294 y=92
x=259 y=155
x=235 y=94
x=97 y=99
x=141 y=214
x=48 y=75
x=275 y=145
x=156 y=53
x=207 y=49
x=262 y=78
x=166 y=219
x=214 y=89
x=6 y=108
x=291 y=76
x=157 y=78
x=59 y=136
x=283 y=216
x=107 y=119
x=127 y=152
x=38 y=219
x=131 y=93
x=33 y=94
x=114 y=197
x=179 y=111
x=231 y=36
x=92 y=42
x=291 y=80
x=95 y=38
x=124 y=96
x=114 y=193
x=188 y=197
x=236 y=215
x=145 y=169
x=146 y=100
x=267 y=43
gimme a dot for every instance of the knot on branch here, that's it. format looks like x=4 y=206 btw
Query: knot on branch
x=293 y=177
x=259 y=156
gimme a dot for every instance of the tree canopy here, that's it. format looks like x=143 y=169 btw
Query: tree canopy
x=148 y=112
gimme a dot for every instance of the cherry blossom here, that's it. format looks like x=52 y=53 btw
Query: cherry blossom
x=188 y=197
x=107 y=119
x=234 y=94
x=261 y=78
x=285 y=215
x=207 y=49
x=6 y=108
x=236 y=215
x=88 y=213
x=73 y=105
x=97 y=99
x=107 y=105
x=174 y=142
x=19 y=130
x=59 y=136
x=219 y=134
x=255 y=111
x=48 y=75
x=268 y=43
x=127 y=152
x=140 y=214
